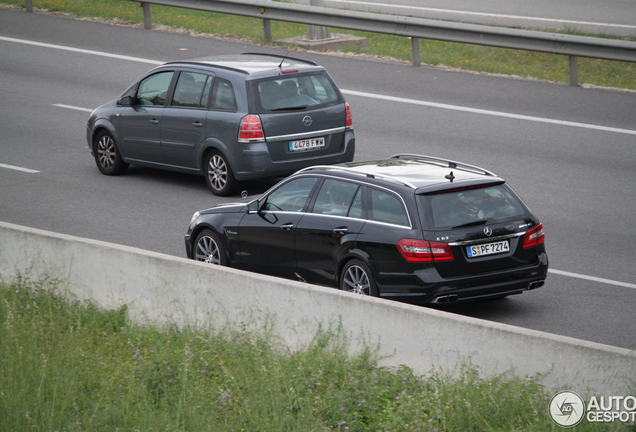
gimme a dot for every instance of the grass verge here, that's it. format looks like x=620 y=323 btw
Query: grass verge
x=546 y=67
x=67 y=365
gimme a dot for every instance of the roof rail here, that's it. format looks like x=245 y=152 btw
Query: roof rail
x=359 y=172
x=443 y=162
x=280 y=57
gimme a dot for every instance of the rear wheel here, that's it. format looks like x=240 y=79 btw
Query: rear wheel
x=208 y=249
x=218 y=174
x=107 y=156
x=356 y=277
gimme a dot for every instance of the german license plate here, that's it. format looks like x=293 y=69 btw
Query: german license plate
x=306 y=144
x=488 y=249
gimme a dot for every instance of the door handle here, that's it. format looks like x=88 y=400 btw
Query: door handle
x=341 y=230
x=154 y=121
x=287 y=226
x=197 y=124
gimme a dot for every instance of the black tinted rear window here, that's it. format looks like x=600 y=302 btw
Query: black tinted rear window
x=495 y=203
x=293 y=92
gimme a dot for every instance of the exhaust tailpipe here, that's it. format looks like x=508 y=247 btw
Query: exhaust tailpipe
x=448 y=299
x=535 y=285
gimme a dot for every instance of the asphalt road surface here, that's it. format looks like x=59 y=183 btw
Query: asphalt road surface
x=610 y=17
x=570 y=153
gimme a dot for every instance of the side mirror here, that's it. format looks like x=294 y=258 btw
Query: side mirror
x=125 y=101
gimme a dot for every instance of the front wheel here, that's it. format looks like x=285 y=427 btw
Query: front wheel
x=209 y=249
x=218 y=174
x=356 y=277
x=107 y=156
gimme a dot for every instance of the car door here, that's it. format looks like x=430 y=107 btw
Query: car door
x=140 y=124
x=267 y=235
x=329 y=230
x=183 y=124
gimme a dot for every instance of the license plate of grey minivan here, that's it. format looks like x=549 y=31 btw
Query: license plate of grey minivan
x=306 y=144
x=488 y=249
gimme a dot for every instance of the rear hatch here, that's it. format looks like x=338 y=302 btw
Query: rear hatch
x=487 y=228
x=302 y=114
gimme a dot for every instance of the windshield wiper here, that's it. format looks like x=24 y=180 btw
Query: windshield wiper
x=297 y=108
x=473 y=223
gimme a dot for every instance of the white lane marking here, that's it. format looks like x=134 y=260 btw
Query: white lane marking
x=17 y=168
x=592 y=278
x=363 y=94
x=370 y=95
x=71 y=107
x=487 y=112
x=483 y=14
x=81 y=51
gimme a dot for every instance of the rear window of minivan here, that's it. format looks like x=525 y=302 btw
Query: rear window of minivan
x=293 y=92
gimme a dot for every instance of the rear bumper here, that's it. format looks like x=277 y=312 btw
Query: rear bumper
x=255 y=162
x=427 y=286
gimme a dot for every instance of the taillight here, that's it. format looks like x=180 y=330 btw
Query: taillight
x=348 y=118
x=424 y=251
x=534 y=236
x=251 y=129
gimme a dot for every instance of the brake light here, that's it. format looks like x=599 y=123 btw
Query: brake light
x=251 y=129
x=286 y=71
x=534 y=236
x=348 y=118
x=424 y=251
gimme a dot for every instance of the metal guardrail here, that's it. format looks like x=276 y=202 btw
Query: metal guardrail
x=414 y=28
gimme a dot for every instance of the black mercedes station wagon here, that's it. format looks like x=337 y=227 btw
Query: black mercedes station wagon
x=229 y=118
x=412 y=227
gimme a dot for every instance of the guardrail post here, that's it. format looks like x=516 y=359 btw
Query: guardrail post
x=29 y=5
x=147 y=21
x=415 y=51
x=574 y=71
x=267 y=30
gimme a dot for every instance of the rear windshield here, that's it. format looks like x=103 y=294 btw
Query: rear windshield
x=496 y=203
x=293 y=92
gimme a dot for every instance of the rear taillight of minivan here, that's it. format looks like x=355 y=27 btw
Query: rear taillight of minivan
x=424 y=251
x=348 y=118
x=251 y=129
x=534 y=236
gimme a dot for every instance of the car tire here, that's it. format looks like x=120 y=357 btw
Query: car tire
x=218 y=174
x=209 y=249
x=356 y=277
x=107 y=156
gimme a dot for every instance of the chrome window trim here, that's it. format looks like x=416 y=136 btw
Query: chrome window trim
x=487 y=239
x=306 y=134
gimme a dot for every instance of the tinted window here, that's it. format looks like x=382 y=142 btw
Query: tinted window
x=223 y=97
x=189 y=90
x=491 y=203
x=387 y=207
x=291 y=196
x=335 y=197
x=153 y=89
x=296 y=91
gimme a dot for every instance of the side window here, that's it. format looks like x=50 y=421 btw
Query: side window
x=189 y=90
x=153 y=89
x=335 y=197
x=387 y=207
x=292 y=196
x=223 y=97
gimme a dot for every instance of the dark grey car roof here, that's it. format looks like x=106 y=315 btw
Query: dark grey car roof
x=424 y=174
x=255 y=64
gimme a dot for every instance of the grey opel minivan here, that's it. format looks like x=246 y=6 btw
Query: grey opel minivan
x=229 y=118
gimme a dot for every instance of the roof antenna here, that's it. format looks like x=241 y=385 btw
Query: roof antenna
x=450 y=177
x=280 y=65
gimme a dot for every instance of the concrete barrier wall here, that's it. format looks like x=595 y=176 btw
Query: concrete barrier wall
x=161 y=288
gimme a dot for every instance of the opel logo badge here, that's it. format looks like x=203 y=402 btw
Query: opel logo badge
x=307 y=121
x=488 y=231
